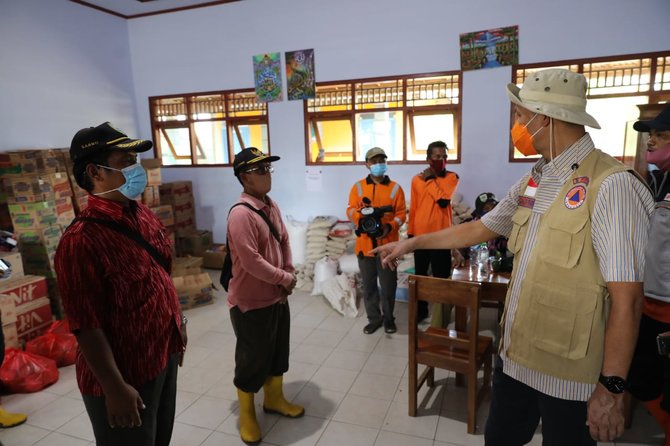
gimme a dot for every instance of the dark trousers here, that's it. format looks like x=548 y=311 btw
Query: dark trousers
x=649 y=375
x=262 y=347
x=371 y=268
x=516 y=410
x=439 y=261
x=159 y=396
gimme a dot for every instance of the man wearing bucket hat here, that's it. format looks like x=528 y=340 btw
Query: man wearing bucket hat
x=113 y=265
x=650 y=371
x=257 y=293
x=577 y=224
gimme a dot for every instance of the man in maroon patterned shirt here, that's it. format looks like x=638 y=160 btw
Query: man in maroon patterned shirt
x=119 y=297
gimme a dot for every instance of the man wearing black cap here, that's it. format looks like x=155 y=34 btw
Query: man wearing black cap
x=113 y=265
x=257 y=293
x=650 y=372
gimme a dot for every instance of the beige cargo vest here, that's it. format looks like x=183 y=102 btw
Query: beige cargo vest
x=559 y=325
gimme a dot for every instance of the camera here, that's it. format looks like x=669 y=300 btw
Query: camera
x=371 y=220
x=663 y=343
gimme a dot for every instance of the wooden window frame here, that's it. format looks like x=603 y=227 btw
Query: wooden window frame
x=655 y=96
x=230 y=117
x=408 y=111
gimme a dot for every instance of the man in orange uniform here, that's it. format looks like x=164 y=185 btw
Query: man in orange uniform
x=376 y=228
x=430 y=211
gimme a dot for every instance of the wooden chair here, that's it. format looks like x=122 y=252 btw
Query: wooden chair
x=463 y=352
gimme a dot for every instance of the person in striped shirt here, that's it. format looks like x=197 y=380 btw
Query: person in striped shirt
x=577 y=224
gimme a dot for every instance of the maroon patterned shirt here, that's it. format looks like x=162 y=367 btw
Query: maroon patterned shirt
x=109 y=282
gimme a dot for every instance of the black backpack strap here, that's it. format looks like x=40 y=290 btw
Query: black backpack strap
x=273 y=230
x=131 y=234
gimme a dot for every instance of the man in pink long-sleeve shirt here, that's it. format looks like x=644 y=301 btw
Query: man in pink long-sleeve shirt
x=257 y=293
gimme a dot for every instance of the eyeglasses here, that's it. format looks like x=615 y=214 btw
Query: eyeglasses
x=262 y=170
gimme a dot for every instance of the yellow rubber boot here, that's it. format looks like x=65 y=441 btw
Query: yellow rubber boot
x=275 y=402
x=250 y=432
x=8 y=419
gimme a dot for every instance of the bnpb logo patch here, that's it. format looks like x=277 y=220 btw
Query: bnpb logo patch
x=575 y=197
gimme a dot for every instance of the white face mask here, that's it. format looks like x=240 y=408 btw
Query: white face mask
x=136 y=181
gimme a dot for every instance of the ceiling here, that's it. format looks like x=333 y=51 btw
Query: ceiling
x=139 y=8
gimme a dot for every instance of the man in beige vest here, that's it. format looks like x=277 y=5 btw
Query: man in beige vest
x=577 y=224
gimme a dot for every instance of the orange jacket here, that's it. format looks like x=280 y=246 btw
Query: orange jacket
x=430 y=204
x=383 y=194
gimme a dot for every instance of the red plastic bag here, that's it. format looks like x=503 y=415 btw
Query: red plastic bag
x=61 y=347
x=60 y=327
x=24 y=372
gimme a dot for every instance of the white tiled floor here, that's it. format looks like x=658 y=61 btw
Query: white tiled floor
x=354 y=388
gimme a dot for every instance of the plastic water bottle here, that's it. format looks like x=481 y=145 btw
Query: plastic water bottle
x=482 y=260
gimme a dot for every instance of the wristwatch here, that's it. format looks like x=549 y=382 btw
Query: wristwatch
x=614 y=384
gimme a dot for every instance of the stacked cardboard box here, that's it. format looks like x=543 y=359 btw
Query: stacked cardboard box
x=38 y=233
x=213 y=257
x=194 y=287
x=8 y=315
x=151 y=194
x=179 y=195
x=194 y=243
x=33 y=307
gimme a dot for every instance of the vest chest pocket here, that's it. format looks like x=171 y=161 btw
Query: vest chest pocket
x=519 y=230
x=564 y=318
x=564 y=241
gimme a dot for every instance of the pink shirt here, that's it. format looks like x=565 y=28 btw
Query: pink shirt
x=261 y=265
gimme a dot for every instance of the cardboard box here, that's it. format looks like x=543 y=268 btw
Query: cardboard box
x=48 y=236
x=33 y=319
x=176 y=192
x=153 y=169
x=60 y=184
x=194 y=243
x=65 y=211
x=17 y=186
x=194 y=290
x=33 y=215
x=50 y=161
x=18 y=163
x=11 y=336
x=151 y=196
x=164 y=214
x=213 y=257
x=184 y=228
x=11 y=267
x=184 y=266
x=7 y=309
x=25 y=289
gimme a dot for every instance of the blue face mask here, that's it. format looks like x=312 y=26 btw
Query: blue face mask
x=378 y=170
x=136 y=181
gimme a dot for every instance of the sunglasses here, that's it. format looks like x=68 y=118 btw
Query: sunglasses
x=262 y=170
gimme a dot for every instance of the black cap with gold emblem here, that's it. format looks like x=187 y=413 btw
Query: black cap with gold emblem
x=91 y=140
x=248 y=156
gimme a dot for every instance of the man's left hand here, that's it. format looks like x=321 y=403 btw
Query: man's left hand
x=184 y=340
x=605 y=414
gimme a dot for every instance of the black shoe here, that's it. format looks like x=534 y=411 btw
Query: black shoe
x=389 y=327
x=371 y=327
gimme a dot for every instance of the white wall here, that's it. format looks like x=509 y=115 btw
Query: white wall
x=62 y=67
x=211 y=49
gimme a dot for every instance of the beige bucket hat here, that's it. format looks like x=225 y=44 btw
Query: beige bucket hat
x=555 y=92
